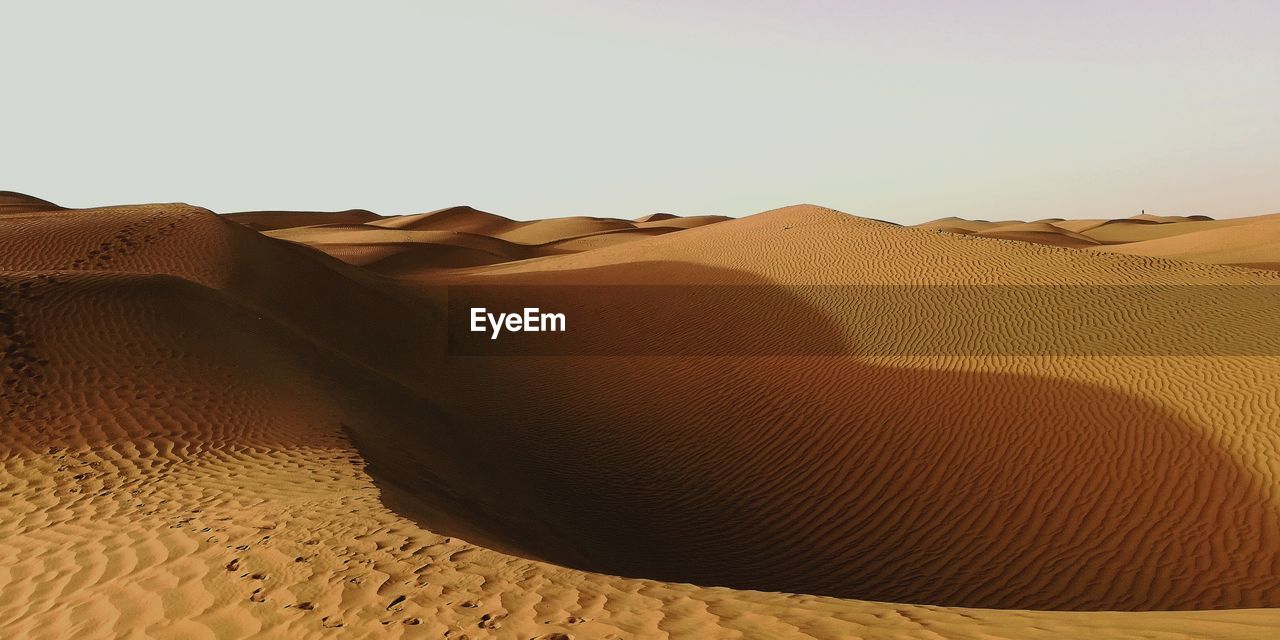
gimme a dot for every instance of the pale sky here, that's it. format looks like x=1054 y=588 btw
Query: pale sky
x=904 y=111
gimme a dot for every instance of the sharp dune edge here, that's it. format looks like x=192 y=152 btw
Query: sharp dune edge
x=246 y=426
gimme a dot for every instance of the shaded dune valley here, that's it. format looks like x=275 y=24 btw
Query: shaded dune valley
x=266 y=425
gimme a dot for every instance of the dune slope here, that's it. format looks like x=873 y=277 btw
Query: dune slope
x=981 y=481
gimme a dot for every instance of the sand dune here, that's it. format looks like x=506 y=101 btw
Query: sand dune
x=1245 y=242
x=455 y=237
x=343 y=310
x=1038 y=232
x=213 y=432
x=13 y=202
x=961 y=225
x=896 y=417
x=273 y=220
x=1249 y=244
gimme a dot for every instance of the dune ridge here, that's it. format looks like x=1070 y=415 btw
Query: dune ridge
x=214 y=432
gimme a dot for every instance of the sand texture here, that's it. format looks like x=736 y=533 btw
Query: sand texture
x=250 y=426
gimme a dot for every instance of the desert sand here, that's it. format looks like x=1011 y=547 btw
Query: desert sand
x=250 y=425
x=1246 y=242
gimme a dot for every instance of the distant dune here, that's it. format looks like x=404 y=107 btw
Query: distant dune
x=275 y=220
x=1247 y=242
x=466 y=237
x=251 y=425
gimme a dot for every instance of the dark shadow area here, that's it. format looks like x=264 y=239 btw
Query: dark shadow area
x=831 y=475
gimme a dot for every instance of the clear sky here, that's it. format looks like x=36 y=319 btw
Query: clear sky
x=905 y=110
